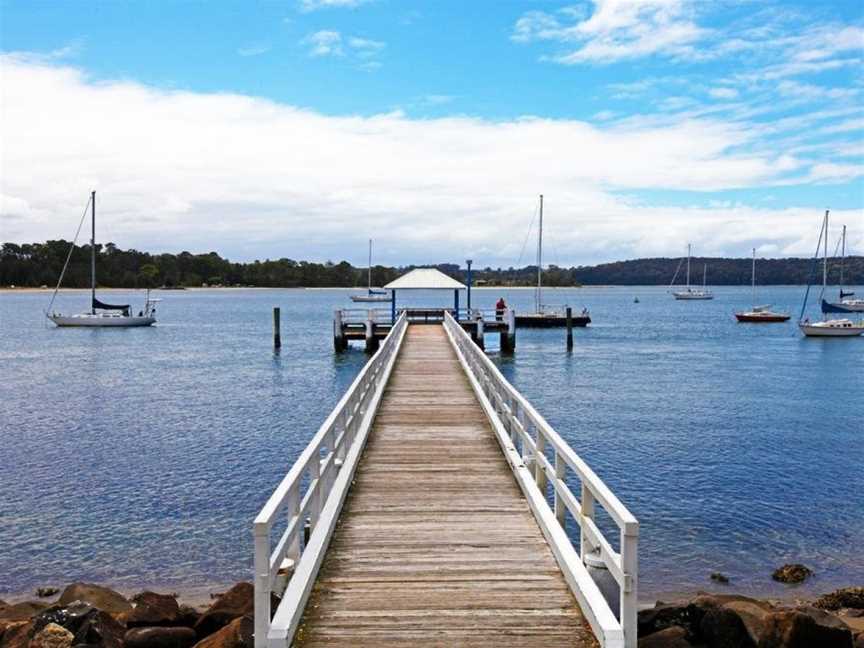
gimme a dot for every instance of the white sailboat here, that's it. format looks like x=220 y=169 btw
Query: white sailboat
x=544 y=315
x=848 y=302
x=690 y=293
x=372 y=295
x=101 y=314
x=842 y=327
x=759 y=314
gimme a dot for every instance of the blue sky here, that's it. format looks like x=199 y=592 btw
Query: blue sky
x=432 y=126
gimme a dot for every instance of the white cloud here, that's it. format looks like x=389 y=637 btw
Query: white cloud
x=315 y=5
x=325 y=42
x=365 y=47
x=616 y=30
x=251 y=177
x=723 y=93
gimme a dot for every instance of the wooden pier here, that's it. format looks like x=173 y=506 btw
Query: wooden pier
x=437 y=499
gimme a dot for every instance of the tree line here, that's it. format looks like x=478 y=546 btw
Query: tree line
x=40 y=264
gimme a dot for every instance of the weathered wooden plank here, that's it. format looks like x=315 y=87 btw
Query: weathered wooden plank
x=436 y=545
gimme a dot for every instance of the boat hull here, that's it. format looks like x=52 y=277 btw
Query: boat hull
x=541 y=320
x=372 y=299
x=684 y=296
x=842 y=307
x=761 y=318
x=815 y=330
x=102 y=321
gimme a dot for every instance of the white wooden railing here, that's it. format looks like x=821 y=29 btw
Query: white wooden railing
x=312 y=493
x=525 y=438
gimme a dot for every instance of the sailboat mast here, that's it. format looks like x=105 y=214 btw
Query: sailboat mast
x=753 y=279
x=370 y=265
x=92 y=252
x=540 y=257
x=688 y=266
x=842 y=257
x=825 y=260
x=705 y=276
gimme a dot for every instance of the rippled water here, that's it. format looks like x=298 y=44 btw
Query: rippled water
x=141 y=456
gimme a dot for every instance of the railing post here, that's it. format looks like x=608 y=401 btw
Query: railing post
x=629 y=589
x=560 y=473
x=262 y=584
x=587 y=497
x=315 y=482
x=293 y=510
x=539 y=470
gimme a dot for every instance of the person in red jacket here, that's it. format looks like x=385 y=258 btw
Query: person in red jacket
x=499 y=308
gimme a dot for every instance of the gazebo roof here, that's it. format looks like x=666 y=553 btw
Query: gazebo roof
x=425 y=279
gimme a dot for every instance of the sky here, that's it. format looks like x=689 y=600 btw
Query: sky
x=302 y=128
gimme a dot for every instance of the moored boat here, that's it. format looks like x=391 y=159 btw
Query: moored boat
x=848 y=302
x=372 y=294
x=101 y=314
x=842 y=327
x=759 y=314
x=690 y=293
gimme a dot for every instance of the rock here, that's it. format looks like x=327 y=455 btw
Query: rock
x=674 y=637
x=21 y=611
x=235 y=603
x=71 y=617
x=752 y=613
x=3 y=603
x=45 y=592
x=237 y=634
x=723 y=628
x=152 y=609
x=159 y=637
x=99 y=597
x=17 y=635
x=805 y=628
x=792 y=573
x=717 y=577
x=848 y=597
x=188 y=616
x=52 y=636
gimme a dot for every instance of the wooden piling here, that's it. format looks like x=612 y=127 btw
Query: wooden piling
x=371 y=340
x=479 y=339
x=277 y=332
x=569 y=329
x=339 y=341
x=508 y=335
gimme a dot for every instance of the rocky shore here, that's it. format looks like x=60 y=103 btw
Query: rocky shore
x=835 y=620
x=92 y=616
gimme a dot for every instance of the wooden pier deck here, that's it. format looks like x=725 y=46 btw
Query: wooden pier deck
x=435 y=544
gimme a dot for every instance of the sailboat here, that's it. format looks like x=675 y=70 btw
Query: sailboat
x=827 y=327
x=845 y=305
x=544 y=315
x=372 y=295
x=101 y=314
x=759 y=314
x=690 y=293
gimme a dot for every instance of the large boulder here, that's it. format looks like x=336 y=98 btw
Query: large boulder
x=99 y=597
x=237 y=634
x=723 y=628
x=17 y=635
x=233 y=604
x=152 y=609
x=673 y=637
x=805 y=627
x=792 y=573
x=160 y=637
x=52 y=636
x=88 y=624
x=21 y=611
x=848 y=597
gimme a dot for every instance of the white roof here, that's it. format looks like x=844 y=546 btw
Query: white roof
x=424 y=278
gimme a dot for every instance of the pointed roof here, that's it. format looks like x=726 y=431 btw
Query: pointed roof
x=425 y=279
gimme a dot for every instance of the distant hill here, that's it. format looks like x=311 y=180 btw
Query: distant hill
x=36 y=264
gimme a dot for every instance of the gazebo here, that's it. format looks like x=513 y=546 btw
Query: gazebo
x=425 y=279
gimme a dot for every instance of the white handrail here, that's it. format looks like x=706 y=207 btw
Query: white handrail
x=328 y=464
x=517 y=424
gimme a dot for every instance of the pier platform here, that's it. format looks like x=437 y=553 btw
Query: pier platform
x=432 y=508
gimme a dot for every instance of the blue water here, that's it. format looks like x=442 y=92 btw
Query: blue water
x=139 y=457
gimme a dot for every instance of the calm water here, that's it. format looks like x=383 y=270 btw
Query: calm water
x=141 y=456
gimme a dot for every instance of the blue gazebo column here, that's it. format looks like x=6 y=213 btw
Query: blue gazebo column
x=393 y=306
x=456 y=304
